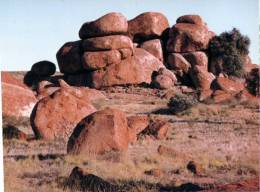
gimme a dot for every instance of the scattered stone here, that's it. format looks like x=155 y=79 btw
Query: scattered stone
x=157 y=129
x=146 y=26
x=107 y=43
x=167 y=151
x=136 y=125
x=109 y=24
x=69 y=57
x=154 y=172
x=43 y=68
x=100 y=132
x=154 y=47
x=195 y=168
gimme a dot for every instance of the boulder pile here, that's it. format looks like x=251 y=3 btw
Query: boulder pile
x=187 y=45
x=106 y=55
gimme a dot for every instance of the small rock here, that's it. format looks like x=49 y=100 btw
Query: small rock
x=195 y=168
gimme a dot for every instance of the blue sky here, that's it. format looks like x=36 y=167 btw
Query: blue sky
x=34 y=30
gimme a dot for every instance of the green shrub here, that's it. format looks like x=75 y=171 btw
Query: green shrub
x=181 y=102
x=230 y=49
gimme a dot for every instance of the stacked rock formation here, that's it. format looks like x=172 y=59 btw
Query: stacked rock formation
x=187 y=43
x=106 y=55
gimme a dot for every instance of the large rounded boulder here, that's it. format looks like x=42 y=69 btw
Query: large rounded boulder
x=43 y=68
x=100 y=132
x=149 y=25
x=69 y=57
x=55 y=116
x=109 y=24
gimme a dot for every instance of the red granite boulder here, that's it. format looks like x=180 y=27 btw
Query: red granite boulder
x=69 y=57
x=133 y=70
x=100 y=132
x=154 y=47
x=191 y=19
x=55 y=116
x=185 y=37
x=43 y=68
x=147 y=26
x=109 y=24
x=110 y=42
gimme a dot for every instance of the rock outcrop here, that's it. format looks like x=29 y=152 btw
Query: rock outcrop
x=17 y=99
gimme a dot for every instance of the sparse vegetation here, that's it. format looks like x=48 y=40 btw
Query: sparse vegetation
x=181 y=102
x=228 y=51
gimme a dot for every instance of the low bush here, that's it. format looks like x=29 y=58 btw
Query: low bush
x=181 y=102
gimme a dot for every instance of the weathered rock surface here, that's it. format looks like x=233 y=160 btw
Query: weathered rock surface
x=109 y=24
x=164 y=79
x=154 y=47
x=55 y=116
x=134 y=70
x=176 y=61
x=69 y=57
x=202 y=79
x=157 y=129
x=9 y=78
x=197 y=58
x=100 y=59
x=229 y=86
x=147 y=26
x=43 y=68
x=17 y=101
x=136 y=125
x=191 y=19
x=100 y=132
x=110 y=42
x=185 y=37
